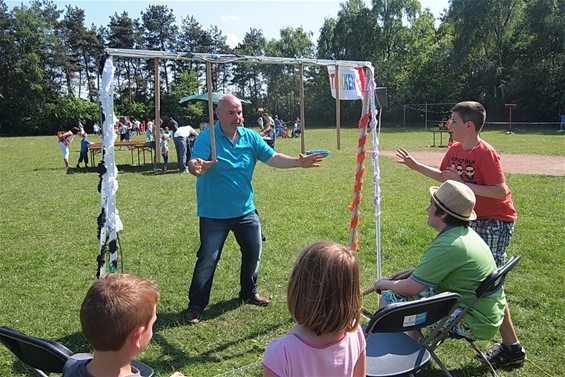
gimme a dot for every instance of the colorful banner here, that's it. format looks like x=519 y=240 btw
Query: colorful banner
x=351 y=82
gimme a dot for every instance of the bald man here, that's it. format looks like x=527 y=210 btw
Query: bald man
x=224 y=194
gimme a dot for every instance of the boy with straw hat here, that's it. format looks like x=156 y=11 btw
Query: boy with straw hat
x=457 y=260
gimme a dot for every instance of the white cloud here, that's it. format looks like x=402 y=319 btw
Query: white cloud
x=232 y=17
x=232 y=40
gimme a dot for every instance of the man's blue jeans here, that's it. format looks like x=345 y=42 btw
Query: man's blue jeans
x=213 y=234
x=181 y=147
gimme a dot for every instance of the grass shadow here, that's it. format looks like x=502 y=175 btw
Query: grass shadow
x=476 y=370
x=146 y=169
x=62 y=169
x=179 y=359
x=168 y=320
x=76 y=342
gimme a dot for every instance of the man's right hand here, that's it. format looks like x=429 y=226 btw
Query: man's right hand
x=198 y=166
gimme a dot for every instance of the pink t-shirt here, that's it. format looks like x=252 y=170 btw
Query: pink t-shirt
x=292 y=356
x=481 y=165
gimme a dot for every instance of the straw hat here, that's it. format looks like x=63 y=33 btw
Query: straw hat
x=456 y=199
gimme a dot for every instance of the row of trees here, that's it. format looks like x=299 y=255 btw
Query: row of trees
x=494 y=51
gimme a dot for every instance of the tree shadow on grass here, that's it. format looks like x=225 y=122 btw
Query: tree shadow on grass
x=178 y=359
x=173 y=356
x=146 y=169
x=472 y=369
x=53 y=168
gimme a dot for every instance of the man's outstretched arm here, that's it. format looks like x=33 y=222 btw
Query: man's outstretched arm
x=280 y=160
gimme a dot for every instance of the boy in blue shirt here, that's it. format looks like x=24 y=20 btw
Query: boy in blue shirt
x=84 y=150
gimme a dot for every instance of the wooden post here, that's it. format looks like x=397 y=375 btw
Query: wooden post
x=426 y=118
x=337 y=107
x=211 y=110
x=509 y=106
x=302 y=120
x=157 y=125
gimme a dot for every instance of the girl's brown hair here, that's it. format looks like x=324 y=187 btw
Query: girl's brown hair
x=323 y=290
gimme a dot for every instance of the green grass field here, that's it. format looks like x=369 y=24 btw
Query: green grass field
x=49 y=248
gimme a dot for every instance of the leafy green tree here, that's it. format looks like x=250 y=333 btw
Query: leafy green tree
x=484 y=37
x=26 y=43
x=248 y=77
x=354 y=32
x=326 y=41
x=123 y=33
x=67 y=111
x=283 y=81
x=134 y=110
x=221 y=73
x=159 y=33
x=539 y=73
x=82 y=52
x=424 y=78
x=495 y=51
x=193 y=38
x=185 y=85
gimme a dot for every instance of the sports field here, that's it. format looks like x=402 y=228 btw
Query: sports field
x=48 y=247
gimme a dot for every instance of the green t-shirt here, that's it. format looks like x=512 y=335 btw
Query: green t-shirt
x=458 y=260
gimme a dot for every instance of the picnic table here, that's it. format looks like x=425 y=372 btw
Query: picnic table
x=441 y=131
x=140 y=146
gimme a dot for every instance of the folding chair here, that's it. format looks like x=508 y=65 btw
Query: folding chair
x=41 y=355
x=45 y=356
x=390 y=352
x=490 y=285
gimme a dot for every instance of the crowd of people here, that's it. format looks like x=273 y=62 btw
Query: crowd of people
x=183 y=137
x=472 y=211
x=267 y=123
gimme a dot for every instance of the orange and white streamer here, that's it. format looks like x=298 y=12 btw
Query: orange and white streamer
x=358 y=187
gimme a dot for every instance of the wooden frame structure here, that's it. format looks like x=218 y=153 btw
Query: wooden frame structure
x=368 y=119
x=210 y=59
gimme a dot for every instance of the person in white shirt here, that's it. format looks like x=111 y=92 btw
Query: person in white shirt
x=184 y=140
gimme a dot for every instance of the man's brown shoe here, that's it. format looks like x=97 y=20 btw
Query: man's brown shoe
x=257 y=300
x=192 y=316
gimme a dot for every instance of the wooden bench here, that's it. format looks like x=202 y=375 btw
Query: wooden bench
x=139 y=146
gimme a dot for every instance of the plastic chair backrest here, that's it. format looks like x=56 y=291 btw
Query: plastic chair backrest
x=496 y=279
x=413 y=315
x=42 y=354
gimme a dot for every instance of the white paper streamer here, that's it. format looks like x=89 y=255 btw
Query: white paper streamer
x=109 y=187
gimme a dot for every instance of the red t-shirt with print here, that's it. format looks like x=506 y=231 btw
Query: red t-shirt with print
x=481 y=165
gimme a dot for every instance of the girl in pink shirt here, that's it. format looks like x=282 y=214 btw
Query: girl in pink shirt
x=324 y=300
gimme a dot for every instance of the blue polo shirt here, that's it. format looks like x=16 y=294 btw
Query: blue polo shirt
x=225 y=190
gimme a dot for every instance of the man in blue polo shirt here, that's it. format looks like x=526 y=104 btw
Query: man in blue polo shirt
x=225 y=201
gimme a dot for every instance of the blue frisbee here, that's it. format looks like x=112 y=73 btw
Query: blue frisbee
x=323 y=152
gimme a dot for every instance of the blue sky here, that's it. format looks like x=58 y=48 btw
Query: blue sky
x=234 y=18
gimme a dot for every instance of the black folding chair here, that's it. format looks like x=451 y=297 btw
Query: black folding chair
x=490 y=285
x=390 y=352
x=41 y=355
x=45 y=356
